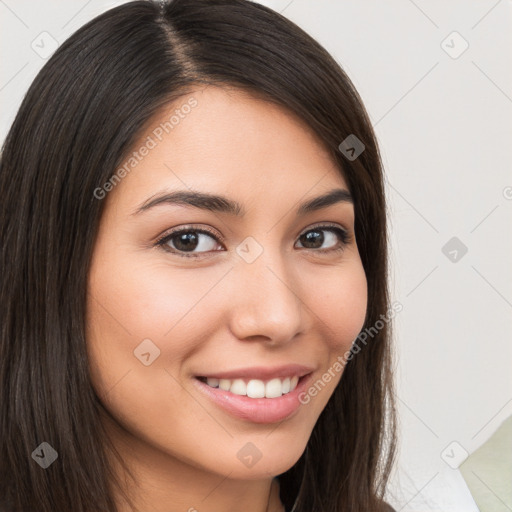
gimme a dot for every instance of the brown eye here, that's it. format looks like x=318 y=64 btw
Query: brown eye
x=189 y=242
x=315 y=238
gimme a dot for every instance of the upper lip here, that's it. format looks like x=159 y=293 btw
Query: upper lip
x=262 y=372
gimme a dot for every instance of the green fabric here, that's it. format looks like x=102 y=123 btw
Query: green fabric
x=488 y=471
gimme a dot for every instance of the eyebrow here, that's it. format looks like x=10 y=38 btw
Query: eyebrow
x=222 y=204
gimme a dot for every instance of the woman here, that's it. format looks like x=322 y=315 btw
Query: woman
x=194 y=250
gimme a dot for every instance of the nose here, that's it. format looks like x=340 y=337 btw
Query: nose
x=266 y=305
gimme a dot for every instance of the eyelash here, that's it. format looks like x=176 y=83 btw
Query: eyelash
x=162 y=241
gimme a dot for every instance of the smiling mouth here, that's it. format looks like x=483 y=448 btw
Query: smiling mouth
x=255 y=388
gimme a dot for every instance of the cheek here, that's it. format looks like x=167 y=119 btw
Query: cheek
x=145 y=299
x=340 y=307
x=142 y=301
x=341 y=304
x=126 y=308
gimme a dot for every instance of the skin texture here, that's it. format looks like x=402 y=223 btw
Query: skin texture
x=218 y=312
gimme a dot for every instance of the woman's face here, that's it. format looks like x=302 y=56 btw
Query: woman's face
x=262 y=297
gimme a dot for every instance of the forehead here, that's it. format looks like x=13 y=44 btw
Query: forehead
x=229 y=142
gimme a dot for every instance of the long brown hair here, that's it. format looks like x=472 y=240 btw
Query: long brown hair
x=77 y=122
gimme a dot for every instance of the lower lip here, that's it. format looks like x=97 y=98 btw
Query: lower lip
x=257 y=410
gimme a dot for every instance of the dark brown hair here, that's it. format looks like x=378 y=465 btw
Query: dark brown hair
x=78 y=120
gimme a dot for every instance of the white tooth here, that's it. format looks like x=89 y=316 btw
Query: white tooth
x=255 y=388
x=224 y=384
x=212 y=381
x=273 y=388
x=238 y=387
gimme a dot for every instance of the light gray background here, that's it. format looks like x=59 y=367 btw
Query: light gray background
x=444 y=125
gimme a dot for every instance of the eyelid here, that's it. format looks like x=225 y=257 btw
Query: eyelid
x=190 y=227
x=325 y=225
x=345 y=237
